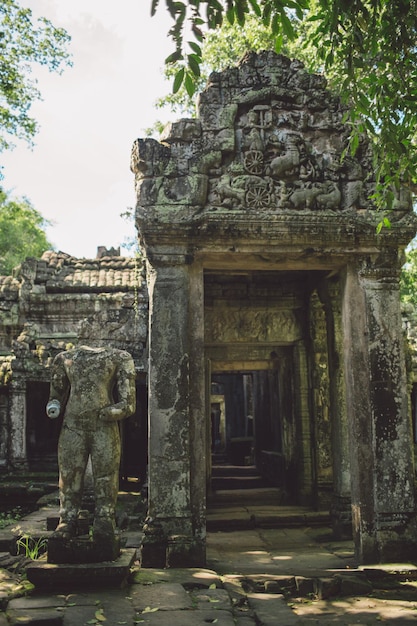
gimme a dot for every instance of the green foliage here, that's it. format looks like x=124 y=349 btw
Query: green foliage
x=32 y=548
x=221 y=48
x=408 y=280
x=21 y=232
x=10 y=517
x=24 y=44
x=367 y=48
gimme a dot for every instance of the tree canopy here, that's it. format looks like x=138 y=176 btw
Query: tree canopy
x=366 y=48
x=22 y=232
x=223 y=47
x=24 y=43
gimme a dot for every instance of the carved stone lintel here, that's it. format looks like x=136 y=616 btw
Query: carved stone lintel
x=244 y=325
x=272 y=141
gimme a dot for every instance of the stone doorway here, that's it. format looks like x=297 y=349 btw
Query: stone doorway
x=253 y=426
x=259 y=364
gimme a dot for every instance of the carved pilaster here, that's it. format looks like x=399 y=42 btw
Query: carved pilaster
x=174 y=427
x=17 y=407
x=340 y=510
x=380 y=435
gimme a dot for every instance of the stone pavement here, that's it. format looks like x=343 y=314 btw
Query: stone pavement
x=257 y=577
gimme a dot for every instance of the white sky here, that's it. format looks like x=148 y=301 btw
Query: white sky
x=78 y=174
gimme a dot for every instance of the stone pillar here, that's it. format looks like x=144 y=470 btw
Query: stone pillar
x=340 y=512
x=175 y=527
x=305 y=478
x=382 y=466
x=17 y=416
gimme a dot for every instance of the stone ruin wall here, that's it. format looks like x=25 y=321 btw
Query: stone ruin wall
x=58 y=301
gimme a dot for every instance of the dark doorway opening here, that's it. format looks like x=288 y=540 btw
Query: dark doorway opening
x=134 y=433
x=253 y=425
x=42 y=433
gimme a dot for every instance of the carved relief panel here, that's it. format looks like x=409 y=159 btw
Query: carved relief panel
x=237 y=325
x=288 y=157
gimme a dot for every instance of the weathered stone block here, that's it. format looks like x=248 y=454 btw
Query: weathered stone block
x=354 y=585
x=305 y=586
x=327 y=587
x=50 y=576
x=83 y=550
x=185 y=551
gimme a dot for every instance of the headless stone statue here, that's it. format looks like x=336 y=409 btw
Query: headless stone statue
x=83 y=382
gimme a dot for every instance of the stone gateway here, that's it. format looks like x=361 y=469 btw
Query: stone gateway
x=264 y=264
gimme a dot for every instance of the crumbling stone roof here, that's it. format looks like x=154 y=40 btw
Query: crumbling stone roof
x=9 y=288
x=60 y=272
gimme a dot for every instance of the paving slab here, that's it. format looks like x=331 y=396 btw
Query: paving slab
x=191 y=578
x=38 y=617
x=111 y=608
x=216 y=599
x=37 y=602
x=297 y=551
x=191 y=617
x=161 y=596
x=271 y=610
x=247 y=571
x=245 y=621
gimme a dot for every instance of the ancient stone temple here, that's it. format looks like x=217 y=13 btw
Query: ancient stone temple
x=266 y=275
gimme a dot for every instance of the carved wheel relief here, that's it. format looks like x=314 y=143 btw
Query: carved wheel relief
x=287 y=159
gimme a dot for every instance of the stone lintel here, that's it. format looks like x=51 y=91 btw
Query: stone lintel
x=328 y=235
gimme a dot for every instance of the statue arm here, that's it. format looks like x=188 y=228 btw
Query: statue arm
x=59 y=389
x=126 y=392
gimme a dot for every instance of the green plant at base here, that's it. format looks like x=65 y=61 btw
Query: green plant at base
x=32 y=548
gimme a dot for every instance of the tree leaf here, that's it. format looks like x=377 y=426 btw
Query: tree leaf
x=287 y=26
x=174 y=57
x=278 y=43
x=178 y=80
x=255 y=7
x=194 y=64
x=195 y=47
x=100 y=616
x=189 y=85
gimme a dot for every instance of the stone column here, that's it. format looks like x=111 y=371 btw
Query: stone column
x=175 y=527
x=305 y=478
x=17 y=416
x=382 y=481
x=341 y=501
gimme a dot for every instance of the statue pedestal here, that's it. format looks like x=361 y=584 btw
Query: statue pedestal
x=73 y=576
x=83 y=550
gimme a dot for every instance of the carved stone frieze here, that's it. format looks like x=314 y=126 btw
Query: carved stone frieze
x=234 y=325
x=270 y=138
